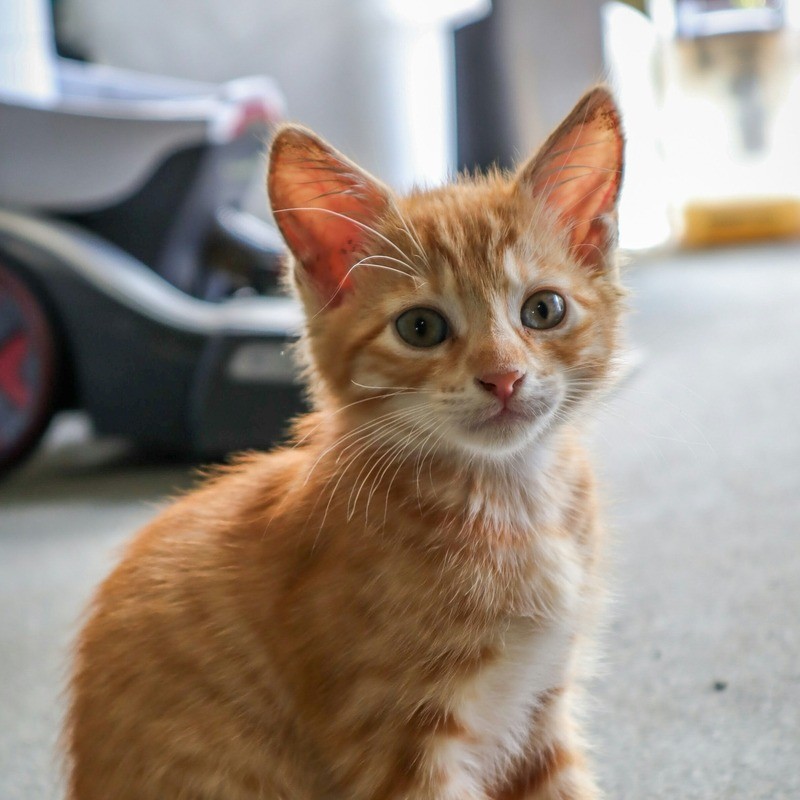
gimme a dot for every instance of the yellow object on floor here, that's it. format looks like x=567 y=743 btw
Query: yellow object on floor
x=720 y=222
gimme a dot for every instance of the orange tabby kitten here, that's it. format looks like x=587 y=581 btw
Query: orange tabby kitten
x=393 y=606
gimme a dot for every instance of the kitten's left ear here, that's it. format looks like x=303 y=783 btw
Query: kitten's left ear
x=577 y=174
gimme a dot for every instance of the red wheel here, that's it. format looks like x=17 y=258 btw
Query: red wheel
x=27 y=368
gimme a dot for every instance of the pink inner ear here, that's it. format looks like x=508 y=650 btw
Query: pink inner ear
x=579 y=171
x=324 y=242
x=324 y=207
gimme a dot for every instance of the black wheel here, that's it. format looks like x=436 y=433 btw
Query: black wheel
x=28 y=366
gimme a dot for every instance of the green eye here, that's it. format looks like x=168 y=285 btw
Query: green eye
x=543 y=310
x=421 y=327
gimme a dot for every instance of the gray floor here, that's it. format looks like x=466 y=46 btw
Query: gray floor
x=699 y=695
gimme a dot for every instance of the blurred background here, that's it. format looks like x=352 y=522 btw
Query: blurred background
x=143 y=332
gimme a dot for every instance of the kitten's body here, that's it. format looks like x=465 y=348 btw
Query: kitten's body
x=381 y=610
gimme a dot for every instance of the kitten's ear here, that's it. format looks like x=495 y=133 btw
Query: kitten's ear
x=577 y=174
x=324 y=206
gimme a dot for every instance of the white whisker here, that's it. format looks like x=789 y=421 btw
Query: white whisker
x=391 y=388
x=360 y=224
x=378 y=458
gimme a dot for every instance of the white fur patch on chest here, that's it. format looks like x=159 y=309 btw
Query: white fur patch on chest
x=532 y=656
x=496 y=706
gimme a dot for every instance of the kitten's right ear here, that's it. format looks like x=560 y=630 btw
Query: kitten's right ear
x=325 y=207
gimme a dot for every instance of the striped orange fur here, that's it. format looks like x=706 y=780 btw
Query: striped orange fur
x=395 y=605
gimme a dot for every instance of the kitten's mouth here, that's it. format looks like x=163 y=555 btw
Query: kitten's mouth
x=508 y=418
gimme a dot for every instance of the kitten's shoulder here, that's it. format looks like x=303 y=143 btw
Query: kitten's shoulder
x=250 y=480
x=228 y=500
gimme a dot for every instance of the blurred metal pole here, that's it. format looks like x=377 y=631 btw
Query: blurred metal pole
x=519 y=72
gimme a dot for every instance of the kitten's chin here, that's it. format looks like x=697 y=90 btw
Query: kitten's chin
x=503 y=434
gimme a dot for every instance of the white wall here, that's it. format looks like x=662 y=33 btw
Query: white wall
x=374 y=77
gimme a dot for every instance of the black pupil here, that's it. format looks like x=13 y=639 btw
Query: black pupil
x=420 y=327
x=542 y=309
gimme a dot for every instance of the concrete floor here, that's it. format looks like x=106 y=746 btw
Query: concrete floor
x=699 y=695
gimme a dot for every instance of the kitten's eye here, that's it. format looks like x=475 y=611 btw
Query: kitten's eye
x=422 y=327
x=542 y=310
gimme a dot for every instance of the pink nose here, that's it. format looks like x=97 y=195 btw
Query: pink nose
x=501 y=384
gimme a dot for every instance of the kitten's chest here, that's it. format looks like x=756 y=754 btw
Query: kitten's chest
x=529 y=656
x=496 y=705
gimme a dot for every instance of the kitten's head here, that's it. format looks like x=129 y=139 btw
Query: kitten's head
x=477 y=315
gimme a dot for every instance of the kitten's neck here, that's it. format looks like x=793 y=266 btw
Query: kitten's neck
x=520 y=489
x=523 y=488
